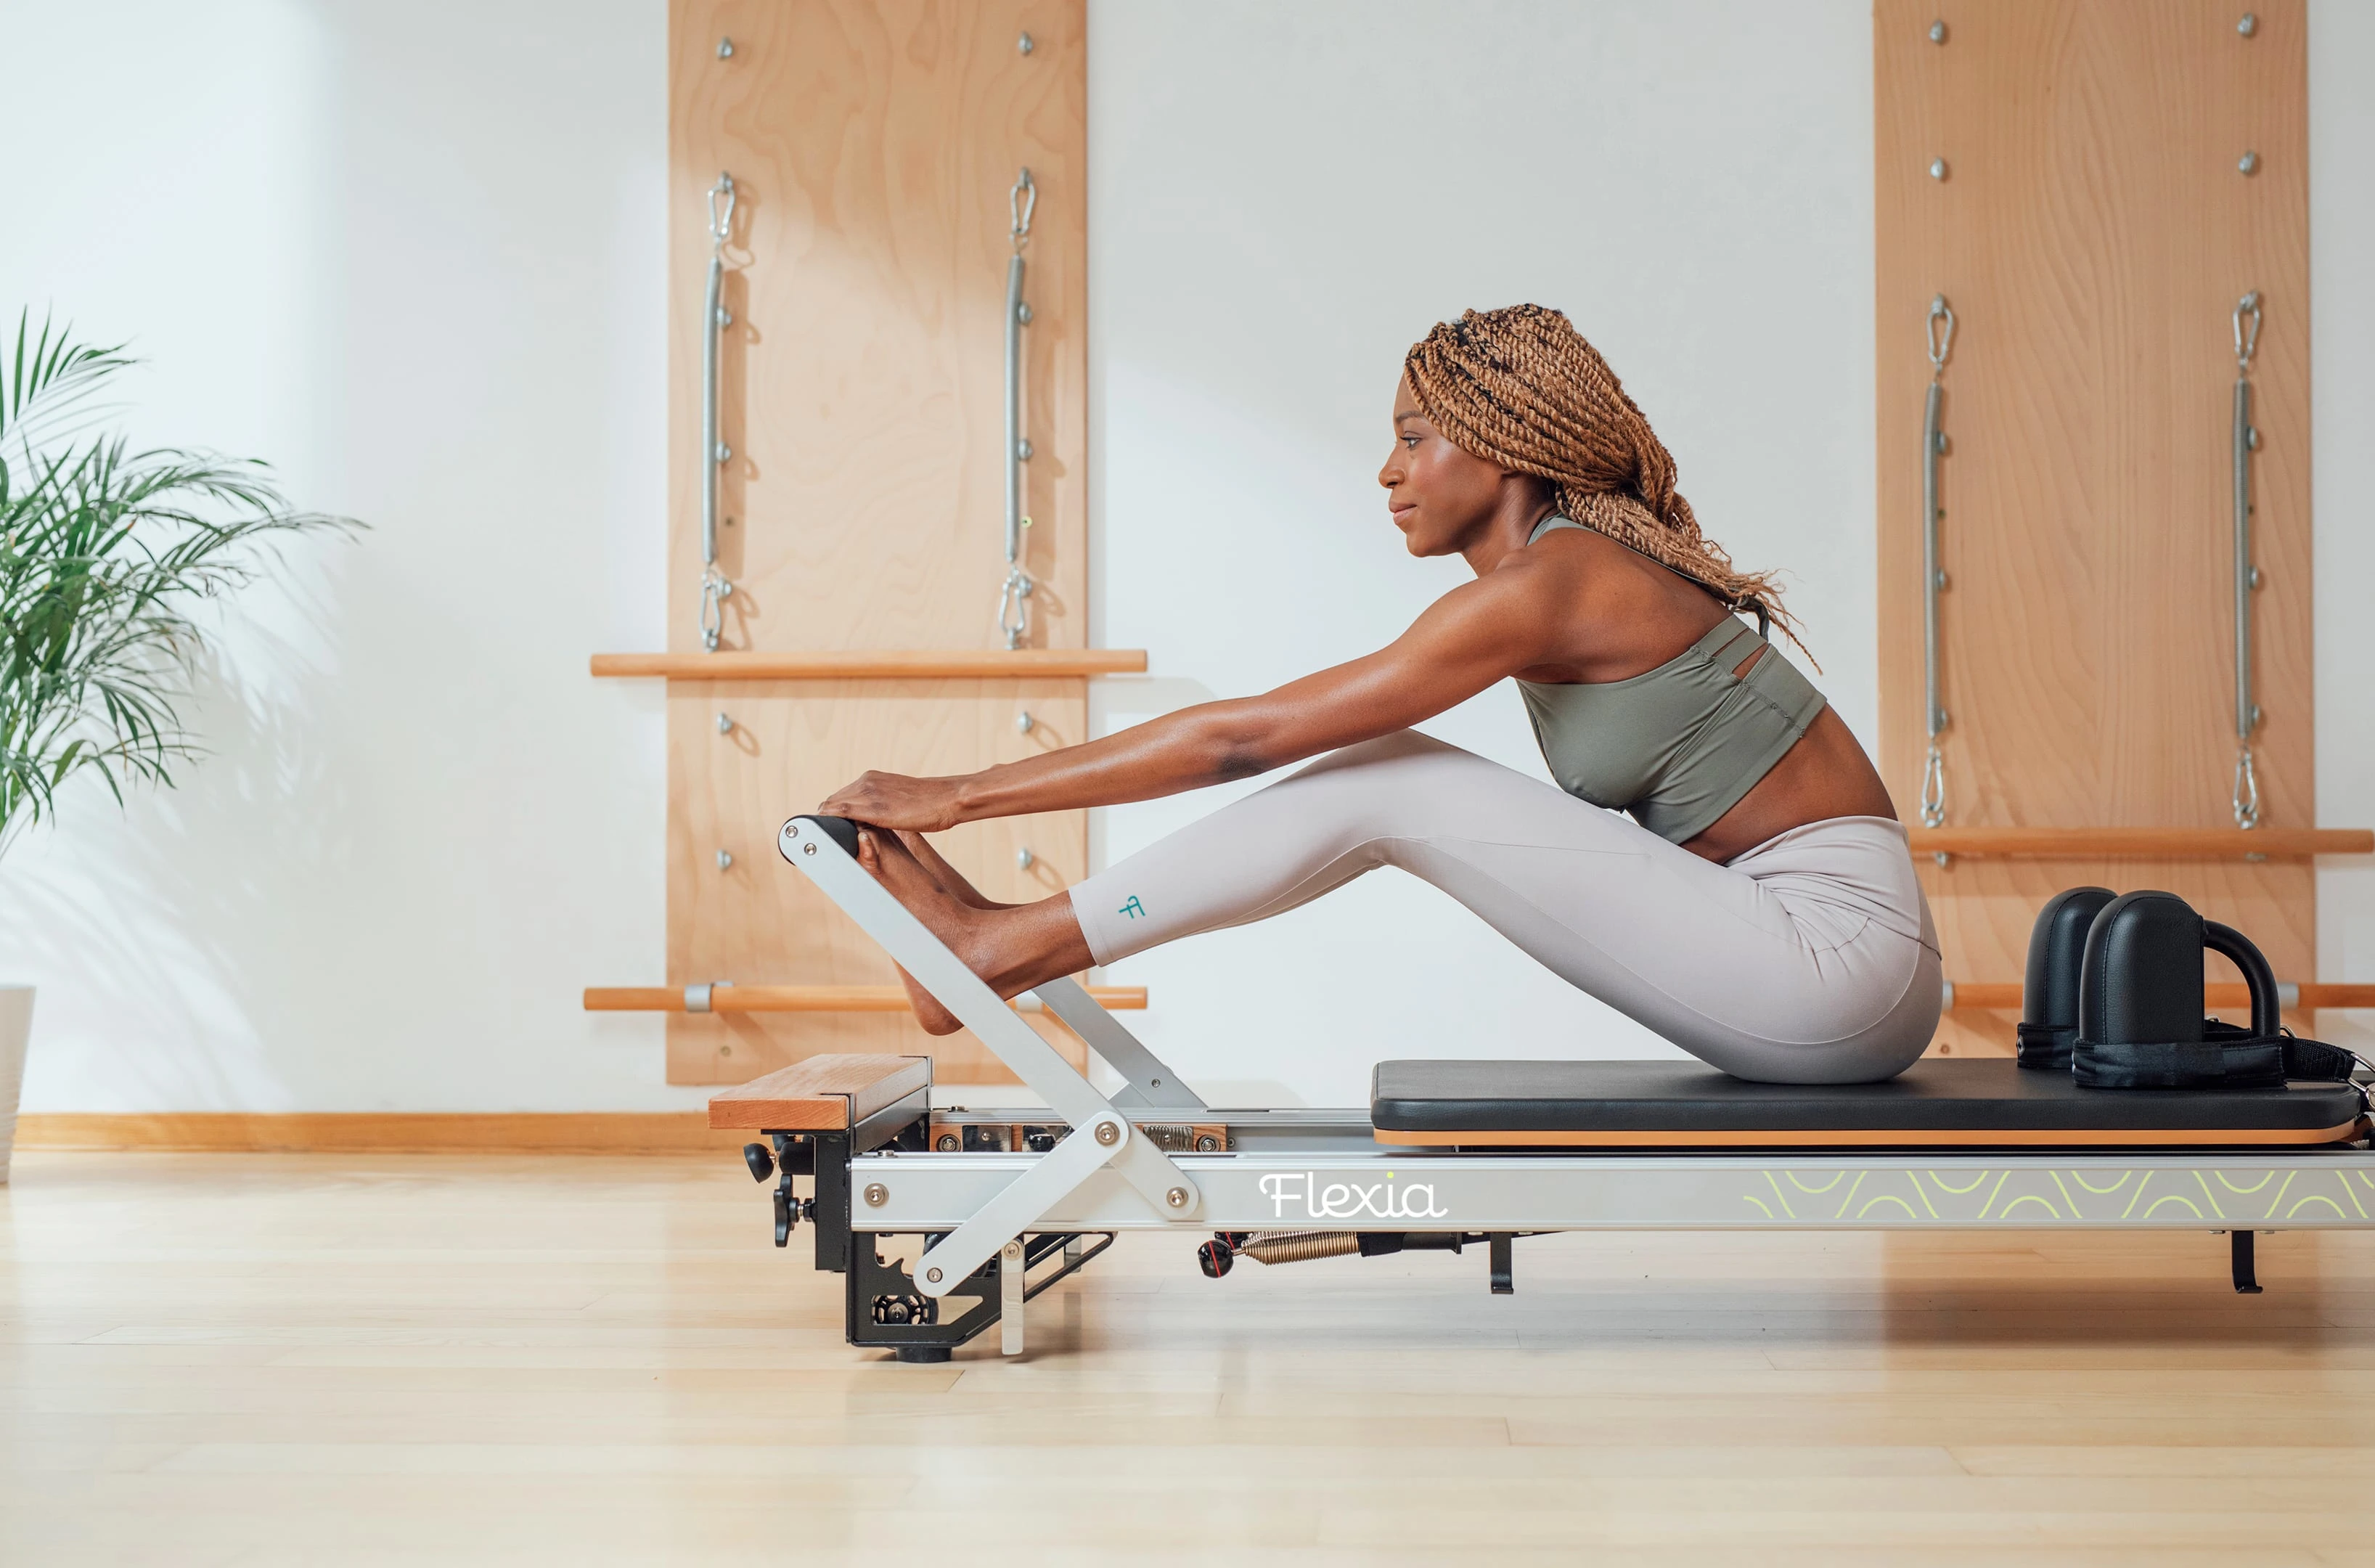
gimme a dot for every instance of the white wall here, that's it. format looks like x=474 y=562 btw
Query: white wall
x=2342 y=384
x=412 y=254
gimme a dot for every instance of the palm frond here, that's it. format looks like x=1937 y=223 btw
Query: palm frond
x=103 y=552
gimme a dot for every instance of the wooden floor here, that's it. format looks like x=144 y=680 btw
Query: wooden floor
x=253 y=1360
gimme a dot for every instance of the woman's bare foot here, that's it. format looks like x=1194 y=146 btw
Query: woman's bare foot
x=1013 y=947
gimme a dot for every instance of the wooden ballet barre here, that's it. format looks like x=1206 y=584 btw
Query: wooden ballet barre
x=730 y=998
x=846 y=664
x=2143 y=843
x=1981 y=996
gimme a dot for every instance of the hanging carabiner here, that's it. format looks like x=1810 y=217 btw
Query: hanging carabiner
x=721 y=218
x=1933 y=788
x=2247 y=336
x=2246 y=798
x=1013 y=610
x=714 y=591
x=1940 y=330
x=1021 y=202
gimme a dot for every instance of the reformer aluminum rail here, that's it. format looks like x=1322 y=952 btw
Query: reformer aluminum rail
x=992 y=1216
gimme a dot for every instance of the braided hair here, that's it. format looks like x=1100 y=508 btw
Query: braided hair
x=1520 y=387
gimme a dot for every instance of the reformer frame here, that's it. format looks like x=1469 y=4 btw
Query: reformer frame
x=1008 y=1201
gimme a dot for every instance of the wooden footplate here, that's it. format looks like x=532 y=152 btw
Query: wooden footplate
x=821 y=1094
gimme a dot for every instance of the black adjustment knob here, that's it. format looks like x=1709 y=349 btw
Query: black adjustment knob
x=762 y=1163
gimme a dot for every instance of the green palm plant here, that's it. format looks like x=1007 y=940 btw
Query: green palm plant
x=104 y=553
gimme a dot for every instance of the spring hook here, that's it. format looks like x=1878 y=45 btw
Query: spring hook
x=714 y=591
x=1933 y=788
x=721 y=219
x=1021 y=202
x=1942 y=337
x=2247 y=331
x=2247 y=790
x=1013 y=614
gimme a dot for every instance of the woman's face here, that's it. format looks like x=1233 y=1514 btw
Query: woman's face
x=1439 y=495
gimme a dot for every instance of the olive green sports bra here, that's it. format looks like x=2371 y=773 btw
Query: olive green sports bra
x=1679 y=746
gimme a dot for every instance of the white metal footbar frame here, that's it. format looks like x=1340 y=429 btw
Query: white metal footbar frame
x=991 y=1216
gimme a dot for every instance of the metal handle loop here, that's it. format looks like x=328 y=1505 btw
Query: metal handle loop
x=1941 y=337
x=1933 y=788
x=1021 y=202
x=1013 y=614
x=714 y=591
x=721 y=220
x=2247 y=330
x=2246 y=797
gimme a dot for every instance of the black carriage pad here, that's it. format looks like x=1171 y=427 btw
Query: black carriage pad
x=1937 y=1102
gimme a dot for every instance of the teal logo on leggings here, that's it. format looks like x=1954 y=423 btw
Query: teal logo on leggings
x=1133 y=908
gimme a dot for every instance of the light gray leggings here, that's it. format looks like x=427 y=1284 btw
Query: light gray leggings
x=1811 y=959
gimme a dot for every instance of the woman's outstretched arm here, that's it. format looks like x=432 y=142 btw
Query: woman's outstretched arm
x=1474 y=636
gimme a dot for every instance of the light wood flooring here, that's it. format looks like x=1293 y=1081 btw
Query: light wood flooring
x=288 y=1358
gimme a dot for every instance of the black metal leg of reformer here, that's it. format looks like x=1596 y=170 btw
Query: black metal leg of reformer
x=1502 y=1284
x=2247 y=1275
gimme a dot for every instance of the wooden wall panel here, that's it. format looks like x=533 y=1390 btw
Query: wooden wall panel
x=873 y=144
x=2093 y=234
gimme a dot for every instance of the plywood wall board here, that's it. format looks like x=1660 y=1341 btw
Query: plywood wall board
x=874 y=144
x=2093 y=235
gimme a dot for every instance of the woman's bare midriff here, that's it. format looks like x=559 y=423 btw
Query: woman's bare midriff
x=1826 y=775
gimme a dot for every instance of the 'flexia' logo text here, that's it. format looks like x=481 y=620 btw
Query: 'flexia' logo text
x=1349 y=1200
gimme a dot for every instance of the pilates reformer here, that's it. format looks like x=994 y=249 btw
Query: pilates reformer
x=1007 y=1202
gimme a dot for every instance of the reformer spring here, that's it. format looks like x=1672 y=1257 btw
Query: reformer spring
x=1014 y=594
x=1939 y=334
x=2244 y=798
x=716 y=453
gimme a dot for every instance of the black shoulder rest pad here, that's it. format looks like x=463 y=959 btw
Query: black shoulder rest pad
x=840 y=829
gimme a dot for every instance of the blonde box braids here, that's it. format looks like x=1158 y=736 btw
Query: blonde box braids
x=1520 y=386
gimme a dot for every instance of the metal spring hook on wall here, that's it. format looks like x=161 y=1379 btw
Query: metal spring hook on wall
x=1013 y=595
x=1939 y=333
x=715 y=588
x=2245 y=796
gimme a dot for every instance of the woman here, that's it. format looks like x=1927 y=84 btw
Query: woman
x=1762 y=914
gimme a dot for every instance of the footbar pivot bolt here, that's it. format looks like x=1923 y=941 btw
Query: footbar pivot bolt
x=876 y=1194
x=1108 y=1133
x=1177 y=1198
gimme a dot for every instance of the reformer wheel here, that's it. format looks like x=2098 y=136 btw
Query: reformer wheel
x=1218 y=1255
x=902 y=1310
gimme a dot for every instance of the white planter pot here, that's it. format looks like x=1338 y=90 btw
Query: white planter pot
x=16 y=1028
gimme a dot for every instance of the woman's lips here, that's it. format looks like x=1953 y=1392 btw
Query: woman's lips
x=1400 y=514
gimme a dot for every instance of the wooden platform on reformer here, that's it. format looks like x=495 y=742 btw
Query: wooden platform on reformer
x=1937 y=1103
